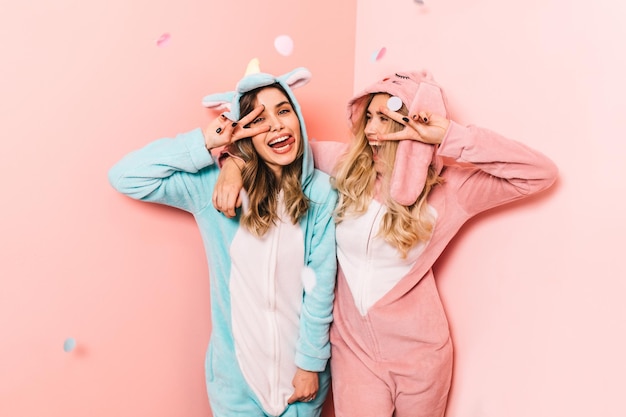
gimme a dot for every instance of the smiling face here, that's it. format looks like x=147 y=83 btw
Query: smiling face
x=280 y=145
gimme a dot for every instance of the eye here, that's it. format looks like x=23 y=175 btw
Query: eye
x=257 y=120
x=284 y=111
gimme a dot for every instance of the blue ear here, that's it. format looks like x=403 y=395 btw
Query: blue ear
x=296 y=78
x=218 y=101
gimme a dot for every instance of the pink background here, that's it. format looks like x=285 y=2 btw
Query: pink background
x=534 y=291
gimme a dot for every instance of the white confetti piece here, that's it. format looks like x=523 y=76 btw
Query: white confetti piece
x=284 y=45
x=308 y=279
x=394 y=103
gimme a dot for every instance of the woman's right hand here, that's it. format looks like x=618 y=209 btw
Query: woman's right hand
x=424 y=127
x=222 y=131
x=226 y=193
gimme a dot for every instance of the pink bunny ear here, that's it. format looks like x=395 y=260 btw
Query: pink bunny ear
x=297 y=78
x=215 y=105
x=412 y=157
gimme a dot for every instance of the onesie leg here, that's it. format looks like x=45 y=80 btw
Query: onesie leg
x=422 y=388
x=229 y=394
x=357 y=391
x=232 y=401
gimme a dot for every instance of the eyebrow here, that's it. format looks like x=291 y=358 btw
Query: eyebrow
x=282 y=103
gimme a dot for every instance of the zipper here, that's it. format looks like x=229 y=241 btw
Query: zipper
x=368 y=269
x=271 y=295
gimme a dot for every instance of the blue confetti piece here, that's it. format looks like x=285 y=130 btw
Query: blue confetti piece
x=69 y=344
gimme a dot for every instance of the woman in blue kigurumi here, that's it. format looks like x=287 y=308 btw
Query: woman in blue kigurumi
x=272 y=268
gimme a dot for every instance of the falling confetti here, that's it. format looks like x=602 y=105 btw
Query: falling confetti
x=284 y=45
x=377 y=55
x=245 y=200
x=394 y=103
x=163 y=40
x=421 y=2
x=69 y=344
x=308 y=279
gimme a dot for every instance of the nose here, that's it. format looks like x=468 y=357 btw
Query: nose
x=275 y=123
x=370 y=127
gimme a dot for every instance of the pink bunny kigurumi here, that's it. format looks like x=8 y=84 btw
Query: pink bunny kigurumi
x=419 y=92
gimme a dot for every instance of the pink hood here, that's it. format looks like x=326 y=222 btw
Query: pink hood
x=419 y=92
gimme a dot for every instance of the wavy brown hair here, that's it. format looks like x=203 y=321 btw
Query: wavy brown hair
x=261 y=183
x=355 y=180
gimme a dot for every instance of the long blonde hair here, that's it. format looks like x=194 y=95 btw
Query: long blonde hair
x=403 y=227
x=261 y=183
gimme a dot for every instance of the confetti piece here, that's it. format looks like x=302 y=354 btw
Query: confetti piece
x=69 y=344
x=394 y=103
x=284 y=45
x=420 y=2
x=377 y=55
x=253 y=67
x=308 y=279
x=163 y=40
x=245 y=200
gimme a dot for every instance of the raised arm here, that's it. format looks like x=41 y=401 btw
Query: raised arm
x=165 y=171
x=500 y=169
x=172 y=171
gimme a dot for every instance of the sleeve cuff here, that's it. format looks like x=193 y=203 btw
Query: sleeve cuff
x=200 y=156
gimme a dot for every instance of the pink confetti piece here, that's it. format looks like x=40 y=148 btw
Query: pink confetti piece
x=284 y=45
x=379 y=54
x=163 y=40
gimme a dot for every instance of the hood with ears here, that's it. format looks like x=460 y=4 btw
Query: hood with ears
x=419 y=92
x=230 y=101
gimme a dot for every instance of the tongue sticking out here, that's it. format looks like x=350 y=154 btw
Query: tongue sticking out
x=283 y=143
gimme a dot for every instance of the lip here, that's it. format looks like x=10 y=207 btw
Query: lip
x=282 y=144
x=277 y=139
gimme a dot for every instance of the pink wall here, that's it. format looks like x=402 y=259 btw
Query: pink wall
x=534 y=291
x=83 y=83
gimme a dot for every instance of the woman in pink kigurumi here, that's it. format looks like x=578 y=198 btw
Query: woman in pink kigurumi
x=399 y=206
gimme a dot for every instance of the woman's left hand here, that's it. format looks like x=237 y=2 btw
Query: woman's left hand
x=424 y=127
x=306 y=385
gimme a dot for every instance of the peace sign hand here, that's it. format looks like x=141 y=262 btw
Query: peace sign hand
x=423 y=127
x=223 y=131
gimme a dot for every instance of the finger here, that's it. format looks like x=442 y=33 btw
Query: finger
x=241 y=133
x=244 y=121
x=229 y=128
x=398 y=117
x=292 y=399
x=424 y=117
x=231 y=204
x=404 y=134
